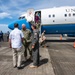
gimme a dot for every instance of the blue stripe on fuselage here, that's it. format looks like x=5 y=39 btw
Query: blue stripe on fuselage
x=59 y=29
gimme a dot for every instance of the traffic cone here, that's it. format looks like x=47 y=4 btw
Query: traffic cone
x=74 y=44
x=60 y=37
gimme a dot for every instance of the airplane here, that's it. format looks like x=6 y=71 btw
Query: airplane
x=56 y=20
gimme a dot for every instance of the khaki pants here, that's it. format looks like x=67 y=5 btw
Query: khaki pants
x=17 y=52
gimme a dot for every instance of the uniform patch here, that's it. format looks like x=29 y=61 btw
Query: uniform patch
x=35 y=33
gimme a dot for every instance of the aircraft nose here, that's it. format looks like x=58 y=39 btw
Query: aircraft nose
x=11 y=26
x=20 y=22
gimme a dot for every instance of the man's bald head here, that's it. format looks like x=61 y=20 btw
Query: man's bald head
x=23 y=26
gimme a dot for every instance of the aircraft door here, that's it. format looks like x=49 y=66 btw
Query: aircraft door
x=37 y=18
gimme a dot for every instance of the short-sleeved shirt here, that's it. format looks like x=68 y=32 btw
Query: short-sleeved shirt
x=16 y=38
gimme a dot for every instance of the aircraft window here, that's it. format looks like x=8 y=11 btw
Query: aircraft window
x=53 y=20
x=73 y=14
x=65 y=15
x=49 y=15
x=69 y=14
x=53 y=15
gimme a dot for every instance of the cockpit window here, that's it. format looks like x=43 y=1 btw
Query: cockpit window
x=19 y=18
x=22 y=17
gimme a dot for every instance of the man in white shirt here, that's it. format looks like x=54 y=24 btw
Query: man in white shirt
x=15 y=41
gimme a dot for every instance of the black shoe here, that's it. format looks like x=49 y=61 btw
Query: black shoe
x=19 y=68
x=15 y=66
x=30 y=58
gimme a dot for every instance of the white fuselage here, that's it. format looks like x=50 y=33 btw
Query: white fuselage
x=57 y=20
x=60 y=15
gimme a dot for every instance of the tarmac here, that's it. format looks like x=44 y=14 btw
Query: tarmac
x=62 y=55
x=6 y=67
x=58 y=58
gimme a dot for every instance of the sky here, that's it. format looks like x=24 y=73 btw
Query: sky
x=10 y=10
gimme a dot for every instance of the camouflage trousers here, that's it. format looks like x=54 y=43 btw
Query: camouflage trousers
x=27 y=46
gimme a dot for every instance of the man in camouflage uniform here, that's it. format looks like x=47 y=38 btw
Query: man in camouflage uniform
x=27 y=41
x=35 y=47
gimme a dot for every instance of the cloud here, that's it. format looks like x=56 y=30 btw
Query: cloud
x=3 y=25
x=16 y=7
x=5 y=15
x=4 y=28
x=13 y=4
